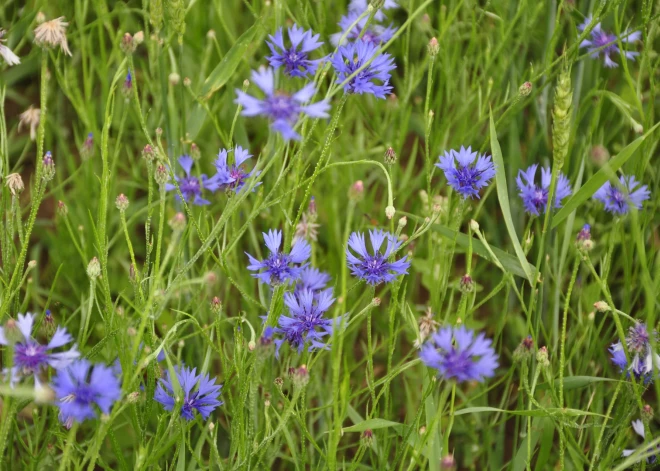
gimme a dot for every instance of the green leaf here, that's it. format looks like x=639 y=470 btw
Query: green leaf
x=503 y=197
x=371 y=424
x=577 y=382
x=594 y=183
x=532 y=413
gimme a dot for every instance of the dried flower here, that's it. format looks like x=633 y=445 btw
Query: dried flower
x=52 y=33
x=14 y=182
x=306 y=229
x=31 y=118
x=6 y=53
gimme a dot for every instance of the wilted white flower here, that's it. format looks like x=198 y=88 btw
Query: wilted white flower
x=6 y=53
x=52 y=33
x=14 y=182
x=30 y=117
x=306 y=229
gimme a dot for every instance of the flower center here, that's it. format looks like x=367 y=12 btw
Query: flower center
x=30 y=356
x=294 y=60
x=281 y=106
x=540 y=198
x=467 y=176
x=190 y=187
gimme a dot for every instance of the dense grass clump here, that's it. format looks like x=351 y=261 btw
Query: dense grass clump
x=282 y=234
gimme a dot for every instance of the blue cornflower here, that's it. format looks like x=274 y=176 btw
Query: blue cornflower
x=294 y=59
x=469 y=177
x=352 y=56
x=191 y=187
x=31 y=357
x=312 y=279
x=618 y=200
x=638 y=427
x=361 y=5
x=605 y=43
x=375 y=268
x=643 y=358
x=535 y=198
x=306 y=316
x=230 y=177
x=457 y=353
x=375 y=33
x=203 y=398
x=81 y=386
x=282 y=109
x=280 y=267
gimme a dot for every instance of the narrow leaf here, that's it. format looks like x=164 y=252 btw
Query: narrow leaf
x=371 y=424
x=503 y=197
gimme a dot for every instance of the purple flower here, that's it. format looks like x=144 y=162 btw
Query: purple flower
x=618 y=200
x=230 y=177
x=312 y=279
x=280 y=267
x=31 y=357
x=294 y=59
x=375 y=33
x=534 y=197
x=375 y=268
x=361 y=5
x=643 y=359
x=199 y=392
x=468 y=177
x=81 y=386
x=282 y=109
x=191 y=187
x=638 y=427
x=457 y=353
x=306 y=316
x=605 y=43
x=352 y=56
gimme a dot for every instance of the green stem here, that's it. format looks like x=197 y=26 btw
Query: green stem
x=70 y=440
x=445 y=448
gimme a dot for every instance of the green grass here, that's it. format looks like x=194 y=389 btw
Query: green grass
x=529 y=277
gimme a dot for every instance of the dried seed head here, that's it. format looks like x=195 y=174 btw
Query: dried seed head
x=433 y=47
x=94 y=268
x=31 y=118
x=50 y=34
x=121 y=202
x=14 y=182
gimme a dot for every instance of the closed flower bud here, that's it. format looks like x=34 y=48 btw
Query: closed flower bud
x=194 y=151
x=390 y=156
x=375 y=302
x=138 y=38
x=210 y=34
x=524 y=350
x=448 y=463
x=12 y=332
x=474 y=225
x=121 y=202
x=174 y=79
x=367 y=437
x=403 y=221
x=159 y=131
x=216 y=305
x=148 y=153
x=599 y=155
x=647 y=413
x=525 y=89
x=87 y=149
x=300 y=377
x=127 y=88
x=466 y=284
x=133 y=397
x=43 y=394
x=433 y=47
x=601 y=307
x=278 y=382
x=127 y=44
x=178 y=222
x=542 y=357
x=356 y=192
x=62 y=210
x=48 y=167
x=389 y=212
x=161 y=175
x=48 y=324
x=14 y=182
x=187 y=82
x=94 y=268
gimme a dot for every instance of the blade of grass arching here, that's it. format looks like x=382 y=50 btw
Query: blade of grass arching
x=503 y=197
x=595 y=182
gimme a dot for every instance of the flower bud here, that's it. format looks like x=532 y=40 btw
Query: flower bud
x=278 y=382
x=601 y=307
x=390 y=156
x=403 y=221
x=87 y=149
x=12 y=332
x=524 y=350
x=389 y=212
x=433 y=47
x=127 y=88
x=474 y=225
x=94 y=268
x=138 y=38
x=178 y=222
x=210 y=34
x=466 y=284
x=194 y=151
x=187 y=82
x=448 y=463
x=161 y=175
x=48 y=167
x=525 y=89
x=647 y=414
x=216 y=306
x=121 y=202
x=148 y=153
x=300 y=377
x=356 y=191
x=133 y=397
x=174 y=79
x=542 y=357
x=367 y=437
x=599 y=155
x=62 y=210
x=127 y=44
x=375 y=302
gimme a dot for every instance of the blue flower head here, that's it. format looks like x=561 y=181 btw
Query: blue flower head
x=617 y=200
x=307 y=314
x=191 y=187
x=534 y=197
x=374 y=79
x=279 y=267
x=643 y=358
x=457 y=353
x=283 y=110
x=199 y=393
x=312 y=279
x=472 y=173
x=294 y=59
x=360 y=6
x=374 y=267
x=605 y=44
x=374 y=34
x=230 y=177
x=82 y=386
x=31 y=357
